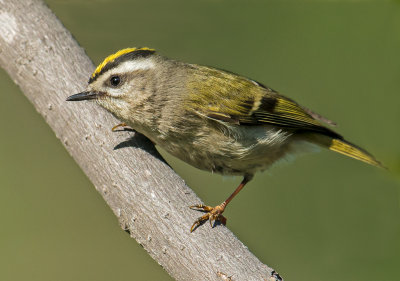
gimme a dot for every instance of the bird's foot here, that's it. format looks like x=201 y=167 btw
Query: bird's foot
x=212 y=214
x=118 y=126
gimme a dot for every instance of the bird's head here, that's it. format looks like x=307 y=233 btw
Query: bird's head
x=122 y=82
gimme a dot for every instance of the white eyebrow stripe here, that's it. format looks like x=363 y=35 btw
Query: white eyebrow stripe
x=130 y=66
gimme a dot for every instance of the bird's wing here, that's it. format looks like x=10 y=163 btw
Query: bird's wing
x=271 y=108
x=233 y=99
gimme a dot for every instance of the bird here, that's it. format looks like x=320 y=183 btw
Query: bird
x=212 y=119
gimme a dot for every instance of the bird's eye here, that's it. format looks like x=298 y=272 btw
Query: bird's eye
x=115 y=80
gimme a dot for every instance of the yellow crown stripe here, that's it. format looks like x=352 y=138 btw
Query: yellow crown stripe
x=112 y=57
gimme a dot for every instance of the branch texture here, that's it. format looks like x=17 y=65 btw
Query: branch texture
x=149 y=199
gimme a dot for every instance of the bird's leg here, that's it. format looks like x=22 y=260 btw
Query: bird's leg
x=215 y=213
x=119 y=125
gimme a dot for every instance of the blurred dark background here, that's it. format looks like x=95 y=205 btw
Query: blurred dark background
x=323 y=217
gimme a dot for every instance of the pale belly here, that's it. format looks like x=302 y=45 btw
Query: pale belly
x=235 y=151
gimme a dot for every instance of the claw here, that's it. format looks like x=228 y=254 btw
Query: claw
x=213 y=214
x=202 y=207
x=199 y=222
x=119 y=125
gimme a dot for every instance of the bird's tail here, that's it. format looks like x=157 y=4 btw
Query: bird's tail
x=353 y=151
x=344 y=147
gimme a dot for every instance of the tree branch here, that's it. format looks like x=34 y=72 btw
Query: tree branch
x=149 y=199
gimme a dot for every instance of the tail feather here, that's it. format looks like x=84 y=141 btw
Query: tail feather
x=351 y=150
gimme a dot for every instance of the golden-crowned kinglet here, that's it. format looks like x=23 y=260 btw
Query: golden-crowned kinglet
x=212 y=119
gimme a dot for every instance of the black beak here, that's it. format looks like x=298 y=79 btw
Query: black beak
x=83 y=96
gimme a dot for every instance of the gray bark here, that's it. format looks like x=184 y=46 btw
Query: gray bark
x=149 y=199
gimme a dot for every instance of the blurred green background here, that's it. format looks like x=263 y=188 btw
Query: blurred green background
x=324 y=217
